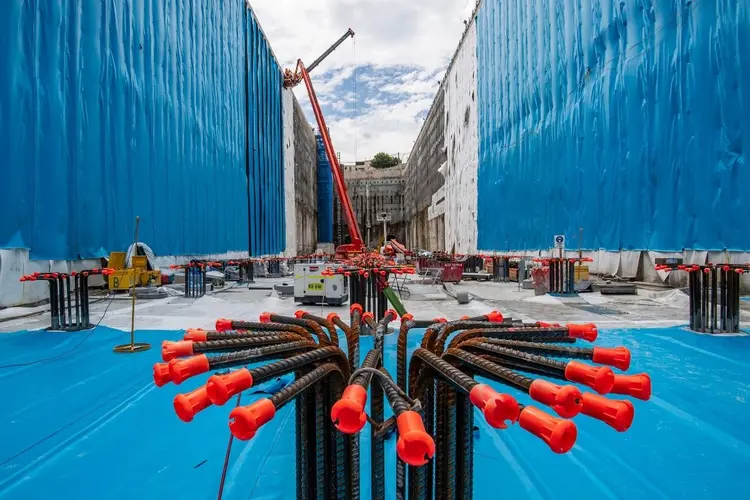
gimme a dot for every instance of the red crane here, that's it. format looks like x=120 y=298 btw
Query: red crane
x=292 y=79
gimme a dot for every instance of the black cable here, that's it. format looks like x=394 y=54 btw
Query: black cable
x=226 y=457
x=16 y=365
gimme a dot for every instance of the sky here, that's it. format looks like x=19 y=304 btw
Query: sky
x=376 y=90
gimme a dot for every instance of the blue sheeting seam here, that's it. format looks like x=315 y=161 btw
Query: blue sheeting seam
x=325 y=195
x=625 y=118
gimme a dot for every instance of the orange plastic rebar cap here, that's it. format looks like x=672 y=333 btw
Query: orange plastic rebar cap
x=637 y=386
x=162 y=375
x=618 y=414
x=196 y=335
x=565 y=400
x=265 y=317
x=619 y=357
x=182 y=369
x=414 y=445
x=221 y=388
x=348 y=413
x=222 y=324
x=172 y=350
x=188 y=405
x=599 y=378
x=497 y=408
x=586 y=332
x=495 y=317
x=559 y=434
x=244 y=421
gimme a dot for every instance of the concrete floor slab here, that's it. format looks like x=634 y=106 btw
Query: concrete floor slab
x=648 y=308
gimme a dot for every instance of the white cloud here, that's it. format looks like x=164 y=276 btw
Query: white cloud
x=420 y=35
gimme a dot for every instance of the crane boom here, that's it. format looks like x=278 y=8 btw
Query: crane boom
x=291 y=80
x=338 y=176
x=333 y=47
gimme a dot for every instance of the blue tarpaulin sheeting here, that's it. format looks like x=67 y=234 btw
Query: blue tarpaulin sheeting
x=325 y=195
x=627 y=118
x=91 y=424
x=114 y=109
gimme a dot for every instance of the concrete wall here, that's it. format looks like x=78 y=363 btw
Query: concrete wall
x=372 y=192
x=422 y=176
x=306 y=184
x=462 y=145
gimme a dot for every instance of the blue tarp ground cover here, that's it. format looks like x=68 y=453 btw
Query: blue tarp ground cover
x=91 y=424
x=627 y=118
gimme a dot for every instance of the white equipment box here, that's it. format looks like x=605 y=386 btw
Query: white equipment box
x=311 y=287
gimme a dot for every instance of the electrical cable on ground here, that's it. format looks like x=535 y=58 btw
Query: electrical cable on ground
x=52 y=358
x=226 y=456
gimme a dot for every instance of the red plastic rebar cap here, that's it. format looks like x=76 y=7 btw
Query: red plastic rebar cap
x=637 y=386
x=497 y=408
x=619 y=357
x=172 y=350
x=348 y=413
x=188 y=405
x=599 y=378
x=222 y=324
x=406 y=317
x=299 y=314
x=221 y=388
x=368 y=315
x=196 y=335
x=414 y=445
x=495 y=317
x=265 y=317
x=332 y=316
x=245 y=421
x=560 y=435
x=618 y=414
x=392 y=312
x=464 y=318
x=182 y=369
x=162 y=375
x=585 y=332
x=565 y=400
x=355 y=307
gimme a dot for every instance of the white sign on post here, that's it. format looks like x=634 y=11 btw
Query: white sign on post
x=559 y=241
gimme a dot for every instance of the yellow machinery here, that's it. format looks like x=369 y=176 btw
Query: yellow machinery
x=582 y=273
x=122 y=278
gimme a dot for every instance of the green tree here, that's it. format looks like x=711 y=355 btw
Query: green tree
x=384 y=160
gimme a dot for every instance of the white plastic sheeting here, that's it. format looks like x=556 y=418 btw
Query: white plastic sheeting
x=461 y=142
x=287 y=101
x=15 y=263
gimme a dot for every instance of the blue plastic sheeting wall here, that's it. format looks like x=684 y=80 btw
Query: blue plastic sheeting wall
x=114 y=109
x=325 y=195
x=266 y=146
x=94 y=421
x=627 y=118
